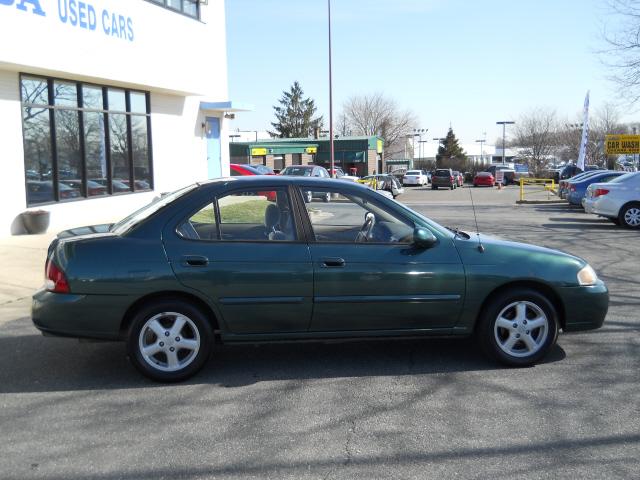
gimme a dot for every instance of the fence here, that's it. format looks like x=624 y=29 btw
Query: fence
x=548 y=186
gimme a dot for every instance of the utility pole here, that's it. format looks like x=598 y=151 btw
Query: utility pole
x=331 y=152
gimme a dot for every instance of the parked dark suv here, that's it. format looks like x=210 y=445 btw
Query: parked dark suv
x=443 y=177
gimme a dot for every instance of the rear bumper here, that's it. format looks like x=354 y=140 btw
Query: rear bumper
x=81 y=316
x=585 y=307
x=605 y=207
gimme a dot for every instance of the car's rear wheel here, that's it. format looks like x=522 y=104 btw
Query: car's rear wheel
x=518 y=327
x=630 y=215
x=169 y=340
x=308 y=197
x=326 y=198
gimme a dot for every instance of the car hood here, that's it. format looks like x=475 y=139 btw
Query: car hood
x=518 y=260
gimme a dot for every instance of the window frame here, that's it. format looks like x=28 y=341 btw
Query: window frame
x=299 y=231
x=309 y=224
x=163 y=4
x=81 y=110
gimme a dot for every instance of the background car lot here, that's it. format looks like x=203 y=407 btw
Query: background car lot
x=388 y=409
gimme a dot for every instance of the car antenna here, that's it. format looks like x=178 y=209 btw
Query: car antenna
x=480 y=246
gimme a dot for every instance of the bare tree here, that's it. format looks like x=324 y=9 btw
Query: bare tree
x=535 y=136
x=606 y=121
x=376 y=114
x=623 y=51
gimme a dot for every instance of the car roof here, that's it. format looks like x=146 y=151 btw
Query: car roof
x=284 y=180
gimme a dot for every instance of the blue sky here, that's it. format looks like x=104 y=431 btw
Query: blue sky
x=464 y=62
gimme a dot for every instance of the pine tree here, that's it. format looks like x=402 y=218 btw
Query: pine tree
x=294 y=116
x=450 y=153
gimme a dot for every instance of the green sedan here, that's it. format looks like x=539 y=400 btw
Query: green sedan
x=247 y=259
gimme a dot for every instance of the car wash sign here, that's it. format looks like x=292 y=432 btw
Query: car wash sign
x=622 y=144
x=82 y=15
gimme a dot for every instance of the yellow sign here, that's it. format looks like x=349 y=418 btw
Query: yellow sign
x=379 y=146
x=622 y=144
x=311 y=150
x=258 y=152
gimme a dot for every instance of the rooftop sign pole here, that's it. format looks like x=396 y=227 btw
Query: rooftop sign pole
x=331 y=164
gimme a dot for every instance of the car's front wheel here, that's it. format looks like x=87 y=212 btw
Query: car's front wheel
x=169 y=340
x=326 y=198
x=518 y=327
x=630 y=215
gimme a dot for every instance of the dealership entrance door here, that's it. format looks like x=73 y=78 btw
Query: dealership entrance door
x=214 y=166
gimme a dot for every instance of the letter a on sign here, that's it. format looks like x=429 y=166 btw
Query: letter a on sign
x=35 y=6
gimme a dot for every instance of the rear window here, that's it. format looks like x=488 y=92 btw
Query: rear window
x=443 y=173
x=483 y=174
x=413 y=172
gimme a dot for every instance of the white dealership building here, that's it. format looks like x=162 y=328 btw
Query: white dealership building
x=104 y=104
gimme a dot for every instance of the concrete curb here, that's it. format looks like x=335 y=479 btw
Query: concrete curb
x=540 y=202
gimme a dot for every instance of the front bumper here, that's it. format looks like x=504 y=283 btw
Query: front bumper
x=81 y=316
x=585 y=307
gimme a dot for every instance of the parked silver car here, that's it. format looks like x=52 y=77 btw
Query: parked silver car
x=617 y=200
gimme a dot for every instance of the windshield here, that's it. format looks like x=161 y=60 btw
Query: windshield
x=145 y=212
x=262 y=170
x=299 y=171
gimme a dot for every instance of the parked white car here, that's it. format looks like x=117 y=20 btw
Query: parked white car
x=617 y=200
x=415 y=177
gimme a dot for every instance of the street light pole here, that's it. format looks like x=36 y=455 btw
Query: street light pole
x=481 y=141
x=504 y=123
x=331 y=152
x=439 y=140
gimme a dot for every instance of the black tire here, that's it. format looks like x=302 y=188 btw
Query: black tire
x=503 y=306
x=197 y=329
x=326 y=198
x=433 y=187
x=452 y=187
x=308 y=197
x=630 y=216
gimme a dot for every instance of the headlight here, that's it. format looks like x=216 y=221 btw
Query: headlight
x=587 y=276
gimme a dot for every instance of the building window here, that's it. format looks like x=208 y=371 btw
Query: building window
x=83 y=140
x=190 y=8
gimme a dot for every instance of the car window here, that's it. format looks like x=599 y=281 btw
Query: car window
x=299 y=171
x=246 y=215
x=349 y=218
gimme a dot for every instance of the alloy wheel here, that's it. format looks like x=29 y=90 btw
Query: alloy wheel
x=169 y=341
x=632 y=217
x=521 y=329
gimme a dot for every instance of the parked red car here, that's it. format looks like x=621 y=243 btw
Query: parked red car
x=485 y=179
x=240 y=170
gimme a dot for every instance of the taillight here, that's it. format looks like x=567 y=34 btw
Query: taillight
x=55 y=281
x=452 y=179
x=600 y=191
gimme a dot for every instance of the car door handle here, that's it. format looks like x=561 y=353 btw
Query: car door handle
x=195 y=260
x=333 y=262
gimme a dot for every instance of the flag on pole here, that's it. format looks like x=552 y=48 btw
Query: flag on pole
x=585 y=134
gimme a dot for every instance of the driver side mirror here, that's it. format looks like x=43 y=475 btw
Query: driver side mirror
x=423 y=238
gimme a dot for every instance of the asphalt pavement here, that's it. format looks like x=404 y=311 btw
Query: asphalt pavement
x=418 y=409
